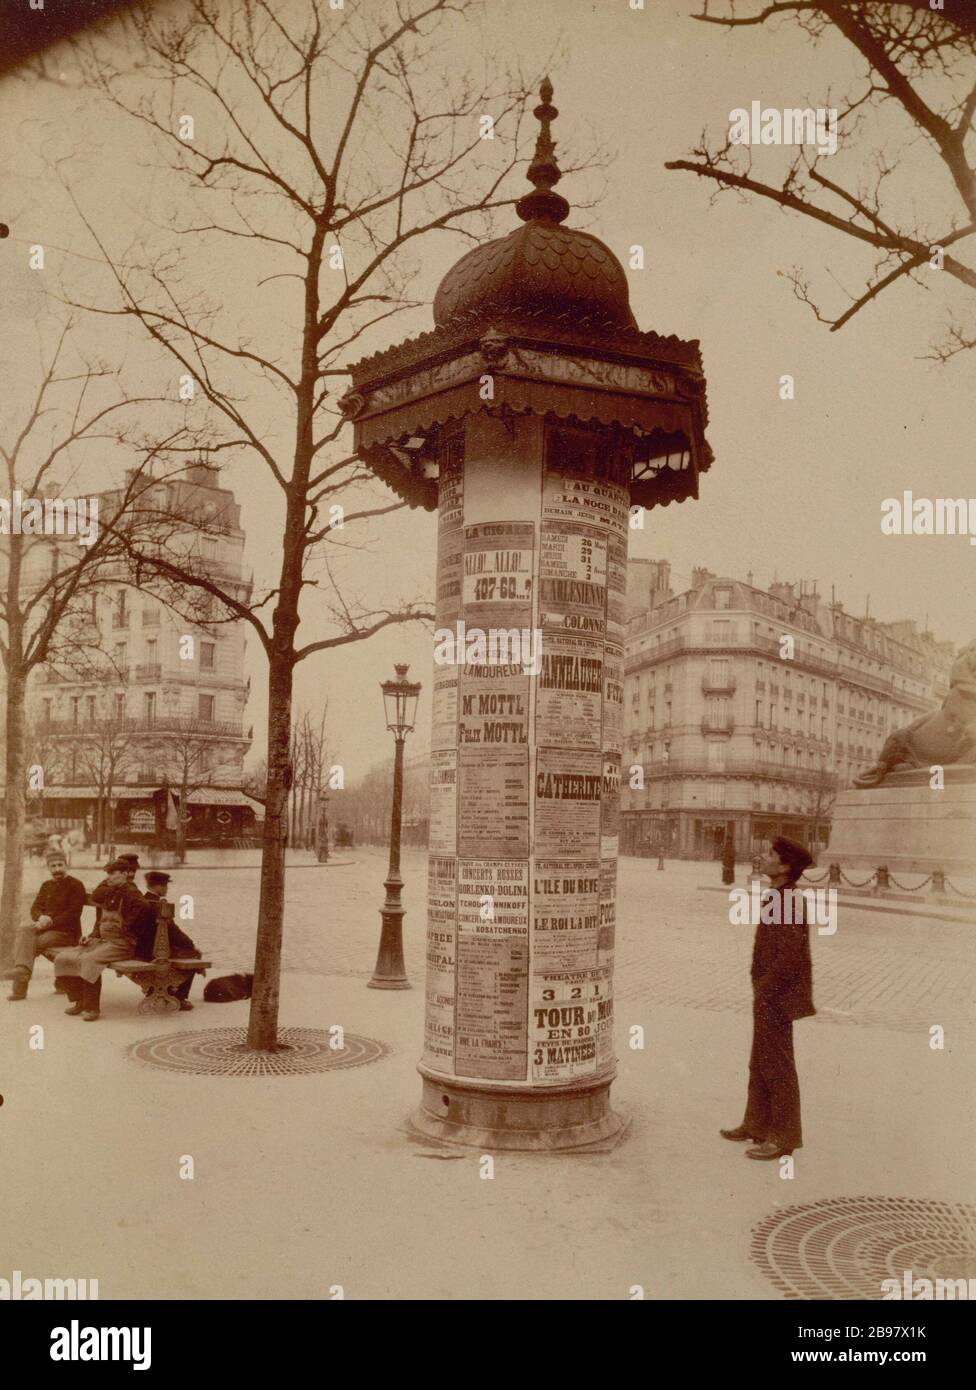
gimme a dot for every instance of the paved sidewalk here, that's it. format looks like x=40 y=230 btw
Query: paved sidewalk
x=305 y=1182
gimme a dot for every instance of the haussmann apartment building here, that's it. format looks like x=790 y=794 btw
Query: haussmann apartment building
x=723 y=734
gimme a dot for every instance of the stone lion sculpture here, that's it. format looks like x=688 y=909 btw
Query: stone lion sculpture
x=946 y=736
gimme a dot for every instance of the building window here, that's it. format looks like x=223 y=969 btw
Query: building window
x=718 y=672
x=120 y=618
x=75 y=709
x=716 y=755
x=149 y=706
x=47 y=711
x=152 y=651
x=723 y=598
x=120 y=707
x=205 y=709
x=90 y=708
x=721 y=630
x=717 y=711
x=716 y=793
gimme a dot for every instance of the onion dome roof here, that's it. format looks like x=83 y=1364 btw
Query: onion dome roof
x=542 y=269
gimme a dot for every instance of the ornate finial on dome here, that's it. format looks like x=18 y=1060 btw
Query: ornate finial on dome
x=542 y=204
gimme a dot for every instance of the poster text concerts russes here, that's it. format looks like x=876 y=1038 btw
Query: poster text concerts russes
x=492 y=977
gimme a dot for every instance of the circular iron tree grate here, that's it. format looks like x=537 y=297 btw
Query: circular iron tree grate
x=224 y=1052
x=843 y=1247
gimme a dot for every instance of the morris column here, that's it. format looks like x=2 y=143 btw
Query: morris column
x=536 y=420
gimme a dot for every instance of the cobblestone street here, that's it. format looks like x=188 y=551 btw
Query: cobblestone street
x=672 y=1209
x=674 y=944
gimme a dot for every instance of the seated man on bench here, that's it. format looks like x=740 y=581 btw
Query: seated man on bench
x=113 y=937
x=180 y=945
x=55 y=922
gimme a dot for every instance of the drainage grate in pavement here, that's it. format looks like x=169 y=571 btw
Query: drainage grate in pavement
x=223 y=1052
x=843 y=1247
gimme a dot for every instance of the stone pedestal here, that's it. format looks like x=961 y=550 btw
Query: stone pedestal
x=907 y=826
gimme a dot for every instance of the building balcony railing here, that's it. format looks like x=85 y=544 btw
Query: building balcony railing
x=227 y=728
x=718 y=724
x=113 y=675
x=718 y=685
x=803 y=661
x=741 y=767
x=148 y=671
x=222 y=728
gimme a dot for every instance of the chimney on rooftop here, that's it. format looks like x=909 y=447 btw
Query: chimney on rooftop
x=204 y=474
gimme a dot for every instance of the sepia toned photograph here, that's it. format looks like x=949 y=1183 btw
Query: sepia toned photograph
x=487 y=615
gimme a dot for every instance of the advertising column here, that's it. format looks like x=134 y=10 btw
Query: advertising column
x=525 y=769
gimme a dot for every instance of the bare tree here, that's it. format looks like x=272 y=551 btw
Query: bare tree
x=916 y=61
x=365 y=807
x=185 y=753
x=309 y=760
x=823 y=793
x=106 y=752
x=338 y=207
x=47 y=578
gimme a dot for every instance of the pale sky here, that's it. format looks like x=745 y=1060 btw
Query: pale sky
x=797 y=486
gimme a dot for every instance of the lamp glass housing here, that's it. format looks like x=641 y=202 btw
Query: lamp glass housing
x=400 y=698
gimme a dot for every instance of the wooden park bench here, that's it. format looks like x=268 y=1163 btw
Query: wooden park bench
x=157 y=978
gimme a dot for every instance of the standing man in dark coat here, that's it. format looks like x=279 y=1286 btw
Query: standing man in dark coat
x=782 y=989
x=55 y=921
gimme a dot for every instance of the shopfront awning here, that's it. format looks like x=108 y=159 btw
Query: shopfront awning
x=219 y=796
x=92 y=793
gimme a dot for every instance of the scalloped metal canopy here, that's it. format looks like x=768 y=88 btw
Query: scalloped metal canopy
x=544 y=312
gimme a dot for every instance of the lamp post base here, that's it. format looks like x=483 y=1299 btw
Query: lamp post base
x=390 y=971
x=576 y=1120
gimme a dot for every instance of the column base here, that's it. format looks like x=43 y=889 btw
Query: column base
x=578 y=1120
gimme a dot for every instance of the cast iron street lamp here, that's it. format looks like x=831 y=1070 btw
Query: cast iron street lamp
x=400 y=698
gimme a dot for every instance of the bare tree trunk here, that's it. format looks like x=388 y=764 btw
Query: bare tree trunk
x=302 y=818
x=262 y=1034
x=16 y=799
